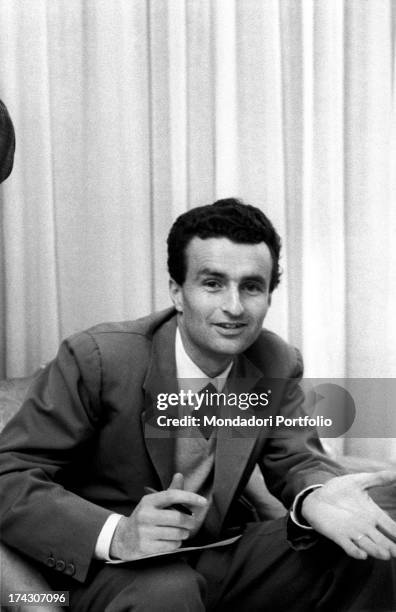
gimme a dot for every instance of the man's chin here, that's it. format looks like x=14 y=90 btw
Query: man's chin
x=231 y=346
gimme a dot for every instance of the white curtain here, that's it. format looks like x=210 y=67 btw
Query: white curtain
x=129 y=112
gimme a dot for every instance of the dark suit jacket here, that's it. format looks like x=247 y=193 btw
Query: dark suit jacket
x=77 y=450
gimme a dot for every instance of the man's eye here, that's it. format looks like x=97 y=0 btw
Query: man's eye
x=253 y=288
x=212 y=284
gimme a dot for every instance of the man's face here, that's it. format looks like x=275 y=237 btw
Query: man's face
x=223 y=301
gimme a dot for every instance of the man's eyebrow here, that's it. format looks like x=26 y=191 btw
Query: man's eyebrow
x=210 y=272
x=255 y=278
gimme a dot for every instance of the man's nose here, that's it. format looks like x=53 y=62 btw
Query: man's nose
x=232 y=303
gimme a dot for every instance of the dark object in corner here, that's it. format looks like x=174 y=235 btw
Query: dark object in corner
x=7 y=143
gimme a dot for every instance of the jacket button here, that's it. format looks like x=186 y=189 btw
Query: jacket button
x=51 y=562
x=60 y=565
x=70 y=569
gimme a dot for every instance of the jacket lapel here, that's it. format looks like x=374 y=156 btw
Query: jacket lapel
x=160 y=378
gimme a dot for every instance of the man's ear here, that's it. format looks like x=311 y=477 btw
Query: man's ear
x=176 y=295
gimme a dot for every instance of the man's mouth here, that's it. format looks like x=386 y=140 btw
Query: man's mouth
x=230 y=325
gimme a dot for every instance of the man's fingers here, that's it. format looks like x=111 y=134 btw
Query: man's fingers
x=150 y=515
x=161 y=546
x=177 y=481
x=382 y=539
x=390 y=535
x=172 y=534
x=373 y=546
x=351 y=548
x=381 y=521
x=167 y=498
x=173 y=518
x=374 y=479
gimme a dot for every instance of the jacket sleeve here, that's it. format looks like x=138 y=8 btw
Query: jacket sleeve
x=57 y=420
x=293 y=457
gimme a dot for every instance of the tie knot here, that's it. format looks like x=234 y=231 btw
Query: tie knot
x=209 y=388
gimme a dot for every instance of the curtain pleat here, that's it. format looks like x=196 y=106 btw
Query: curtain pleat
x=129 y=113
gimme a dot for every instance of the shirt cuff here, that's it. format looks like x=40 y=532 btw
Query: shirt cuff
x=102 y=548
x=295 y=512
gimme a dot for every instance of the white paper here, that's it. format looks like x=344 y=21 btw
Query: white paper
x=181 y=550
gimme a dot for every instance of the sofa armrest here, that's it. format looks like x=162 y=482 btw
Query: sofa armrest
x=18 y=574
x=12 y=394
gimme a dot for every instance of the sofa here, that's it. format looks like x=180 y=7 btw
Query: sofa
x=18 y=573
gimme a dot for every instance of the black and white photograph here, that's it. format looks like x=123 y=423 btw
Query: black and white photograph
x=198 y=305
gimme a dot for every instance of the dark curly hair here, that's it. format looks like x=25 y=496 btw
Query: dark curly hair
x=229 y=218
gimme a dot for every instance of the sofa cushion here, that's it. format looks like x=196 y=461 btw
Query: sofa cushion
x=12 y=393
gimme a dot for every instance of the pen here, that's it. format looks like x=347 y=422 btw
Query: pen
x=179 y=507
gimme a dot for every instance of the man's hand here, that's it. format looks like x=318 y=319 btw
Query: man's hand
x=154 y=528
x=342 y=511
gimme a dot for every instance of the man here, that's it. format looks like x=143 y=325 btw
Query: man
x=89 y=475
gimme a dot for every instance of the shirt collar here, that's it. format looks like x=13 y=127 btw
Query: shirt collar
x=186 y=369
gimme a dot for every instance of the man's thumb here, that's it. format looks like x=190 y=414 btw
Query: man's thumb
x=375 y=479
x=177 y=481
